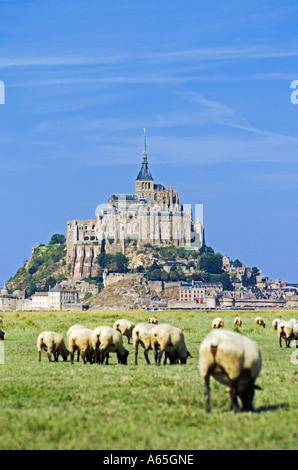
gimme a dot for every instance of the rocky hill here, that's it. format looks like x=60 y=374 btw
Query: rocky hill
x=46 y=267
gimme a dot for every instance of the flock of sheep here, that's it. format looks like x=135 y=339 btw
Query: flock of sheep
x=228 y=356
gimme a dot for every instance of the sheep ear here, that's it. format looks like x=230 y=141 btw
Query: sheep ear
x=257 y=387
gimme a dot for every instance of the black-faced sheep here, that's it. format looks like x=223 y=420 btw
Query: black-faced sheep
x=80 y=340
x=218 y=323
x=275 y=323
x=2 y=333
x=281 y=333
x=234 y=360
x=153 y=320
x=108 y=340
x=169 y=339
x=291 y=332
x=125 y=328
x=260 y=322
x=237 y=322
x=141 y=335
x=52 y=343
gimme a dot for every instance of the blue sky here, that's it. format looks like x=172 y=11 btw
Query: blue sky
x=211 y=83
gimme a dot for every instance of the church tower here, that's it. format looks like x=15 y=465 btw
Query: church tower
x=144 y=180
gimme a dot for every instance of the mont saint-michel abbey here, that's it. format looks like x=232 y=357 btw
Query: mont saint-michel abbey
x=152 y=215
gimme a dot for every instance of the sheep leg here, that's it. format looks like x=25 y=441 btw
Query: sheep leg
x=159 y=356
x=39 y=356
x=207 y=393
x=146 y=351
x=71 y=356
x=136 y=353
x=233 y=395
x=101 y=356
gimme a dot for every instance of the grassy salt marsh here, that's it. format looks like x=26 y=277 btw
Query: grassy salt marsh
x=63 y=406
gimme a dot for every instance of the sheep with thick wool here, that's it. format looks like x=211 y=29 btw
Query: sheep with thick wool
x=79 y=340
x=141 y=335
x=291 y=332
x=237 y=322
x=218 y=323
x=125 y=328
x=107 y=340
x=281 y=333
x=260 y=322
x=153 y=320
x=168 y=339
x=52 y=343
x=231 y=359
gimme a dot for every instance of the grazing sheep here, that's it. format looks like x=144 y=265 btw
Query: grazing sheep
x=52 y=343
x=260 y=322
x=80 y=340
x=166 y=338
x=69 y=331
x=234 y=360
x=107 y=340
x=218 y=323
x=238 y=322
x=275 y=323
x=141 y=334
x=125 y=328
x=281 y=333
x=291 y=332
x=153 y=320
x=2 y=333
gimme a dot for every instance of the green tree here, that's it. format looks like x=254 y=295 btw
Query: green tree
x=211 y=263
x=57 y=238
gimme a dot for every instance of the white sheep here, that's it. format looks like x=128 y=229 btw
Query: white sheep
x=217 y=323
x=281 y=333
x=153 y=320
x=52 y=343
x=237 y=322
x=275 y=323
x=141 y=335
x=170 y=340
x=69 y=331
x=260 y=322
x=291 y=332
x=80 y=340
x=234 y=360
x=108 y=340
x=125 y=328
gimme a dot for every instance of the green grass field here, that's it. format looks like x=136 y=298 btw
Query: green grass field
x=63 y=406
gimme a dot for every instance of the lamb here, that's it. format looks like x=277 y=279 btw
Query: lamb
x=169 y=339
x=2 y=333
x=125 y=328
x=238 y=322
x=141 y=334
x=234 y=360
x=217 y=323
x=107 y=340
x=52 y=343
x=260 y=322
x=80 y=340
x=153 y=320
x=291 y=332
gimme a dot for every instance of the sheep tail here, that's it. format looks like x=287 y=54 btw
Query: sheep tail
x=213 y=349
